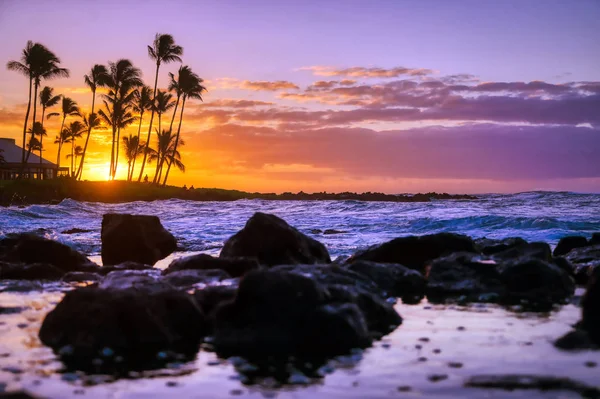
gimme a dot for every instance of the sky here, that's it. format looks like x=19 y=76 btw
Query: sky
x=394 y=96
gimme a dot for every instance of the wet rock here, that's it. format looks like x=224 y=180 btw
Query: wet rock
x=280 y=314
x=235 y=267
x=415 y=251
x=209 y=298
x=32 y=271
x=130 y=324
x=76 y=231
x=512 y=382
x=148 y=280
x=186 y=278
x=21 y=286
x=576 y=339
x=595 y=240
x=333 y=231
x=539 y=250
x=104 y=270
x=488 y=246
x=274 y=242
x=568 y=243
x=11 y=309
x=79 y=277
x=316 y=231
x=583 y=262
x=29 y=248
x=590 y=308
x=18 y=395
x=396 y=280
x=137 y=238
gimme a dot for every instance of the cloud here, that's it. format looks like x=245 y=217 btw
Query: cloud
x=263 y=85
x=364 y=72
x=234 y=103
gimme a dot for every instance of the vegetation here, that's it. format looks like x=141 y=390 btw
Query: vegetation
x=125 y=102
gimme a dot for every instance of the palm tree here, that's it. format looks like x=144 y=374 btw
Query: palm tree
x=162 y=104
x=96 y=77
x=47 y=100
x=123 y=78
x=165 y=50
x=34 y=143
x=133 y=148
x=68 y=108
x=142 y=103
x=68 y=135
x=77 y=152
x=75 y=132
x=165 y=150
x=36 y=63
x=190 y=85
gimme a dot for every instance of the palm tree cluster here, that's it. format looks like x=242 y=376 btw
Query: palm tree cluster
x=125 y=101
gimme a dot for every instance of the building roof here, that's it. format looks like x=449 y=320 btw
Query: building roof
x=12 y=154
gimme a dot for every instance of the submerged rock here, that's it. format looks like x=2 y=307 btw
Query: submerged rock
x=488 y=246
x=274 y=242
x=568 y=243
x=133 y=325
x=538 y=250
x=29 y=249
x=104 y=270
x=235 y=267
x=137 y=238
x=78 y=277
x=32 y=271
x=511 y=382
x=396 y=280
x=187 y=278
x=280 y=314
x=415 y=251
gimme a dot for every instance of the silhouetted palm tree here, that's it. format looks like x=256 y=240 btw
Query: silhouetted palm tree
x=74 y=134
x=123 y=79
x=133 y=148
x=35 y=143
x=96 y=77
x=77 y=152
x=190 y=85
x=68 y=108
x=68 y=135
x=142 y=103
x=162 y=104
x=47 y=100
x=163 y=50
x=165 y=150
x=36 y=63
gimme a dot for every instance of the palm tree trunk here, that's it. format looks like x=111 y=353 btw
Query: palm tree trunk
x=130 y=176
x=41 y=141
x=72 y=155
x=151 y=119
x=36 y=87
x=162 y=158
x=87 y=139
x=112 y=151
x=117 y=152
x=62 y=125
x=23 y=149
x=176 y=142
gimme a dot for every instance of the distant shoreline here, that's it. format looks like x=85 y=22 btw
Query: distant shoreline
x=28 y=192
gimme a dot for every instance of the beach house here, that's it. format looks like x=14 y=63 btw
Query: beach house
x=11 y=166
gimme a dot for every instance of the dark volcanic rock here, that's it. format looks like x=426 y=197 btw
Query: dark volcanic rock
x=137 y=238
x=186 y=278
x=274 y=242
x=566 y=244
x=395 y=279
x=104 y=270
x=595 y=240
x=511 y=382
x=277 y=313
x=333 y=231
x=29 y=248
x=590 y=308
x=464 y=274
x=415 y=251
x=584 y=261
x=210 y=297
x=76 y=230
x=91 y=323
x=235 y=267
x=539 y=250
x=488 y=246
x=149 y=280
x=478 y=278
x=77 y=277
x=33 y=271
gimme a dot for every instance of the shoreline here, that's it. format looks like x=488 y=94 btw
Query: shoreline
x=32 y=192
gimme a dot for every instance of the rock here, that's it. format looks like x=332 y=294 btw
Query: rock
x=104 y=270
x=595 y=240
x=511 y=382
x=32 y=271
x=584 y=261
x=137 y=238
x=274 y=242
x=143 y=280
x=17 y=395
x=281 y=314
x=210 y=297
x=488 y=246
x=396 y=280
x=478 y=278
x=415 y=251
x=473 y=276
x=539 y=250
x=76 y=230
x=78 y=277
x=566 y=244
x=187 y=278
x=576 y=339
x=235 y=267
x=333 y=231
x=316 y=231
x=29 y=248
x=94 y=323
x=590 y=308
